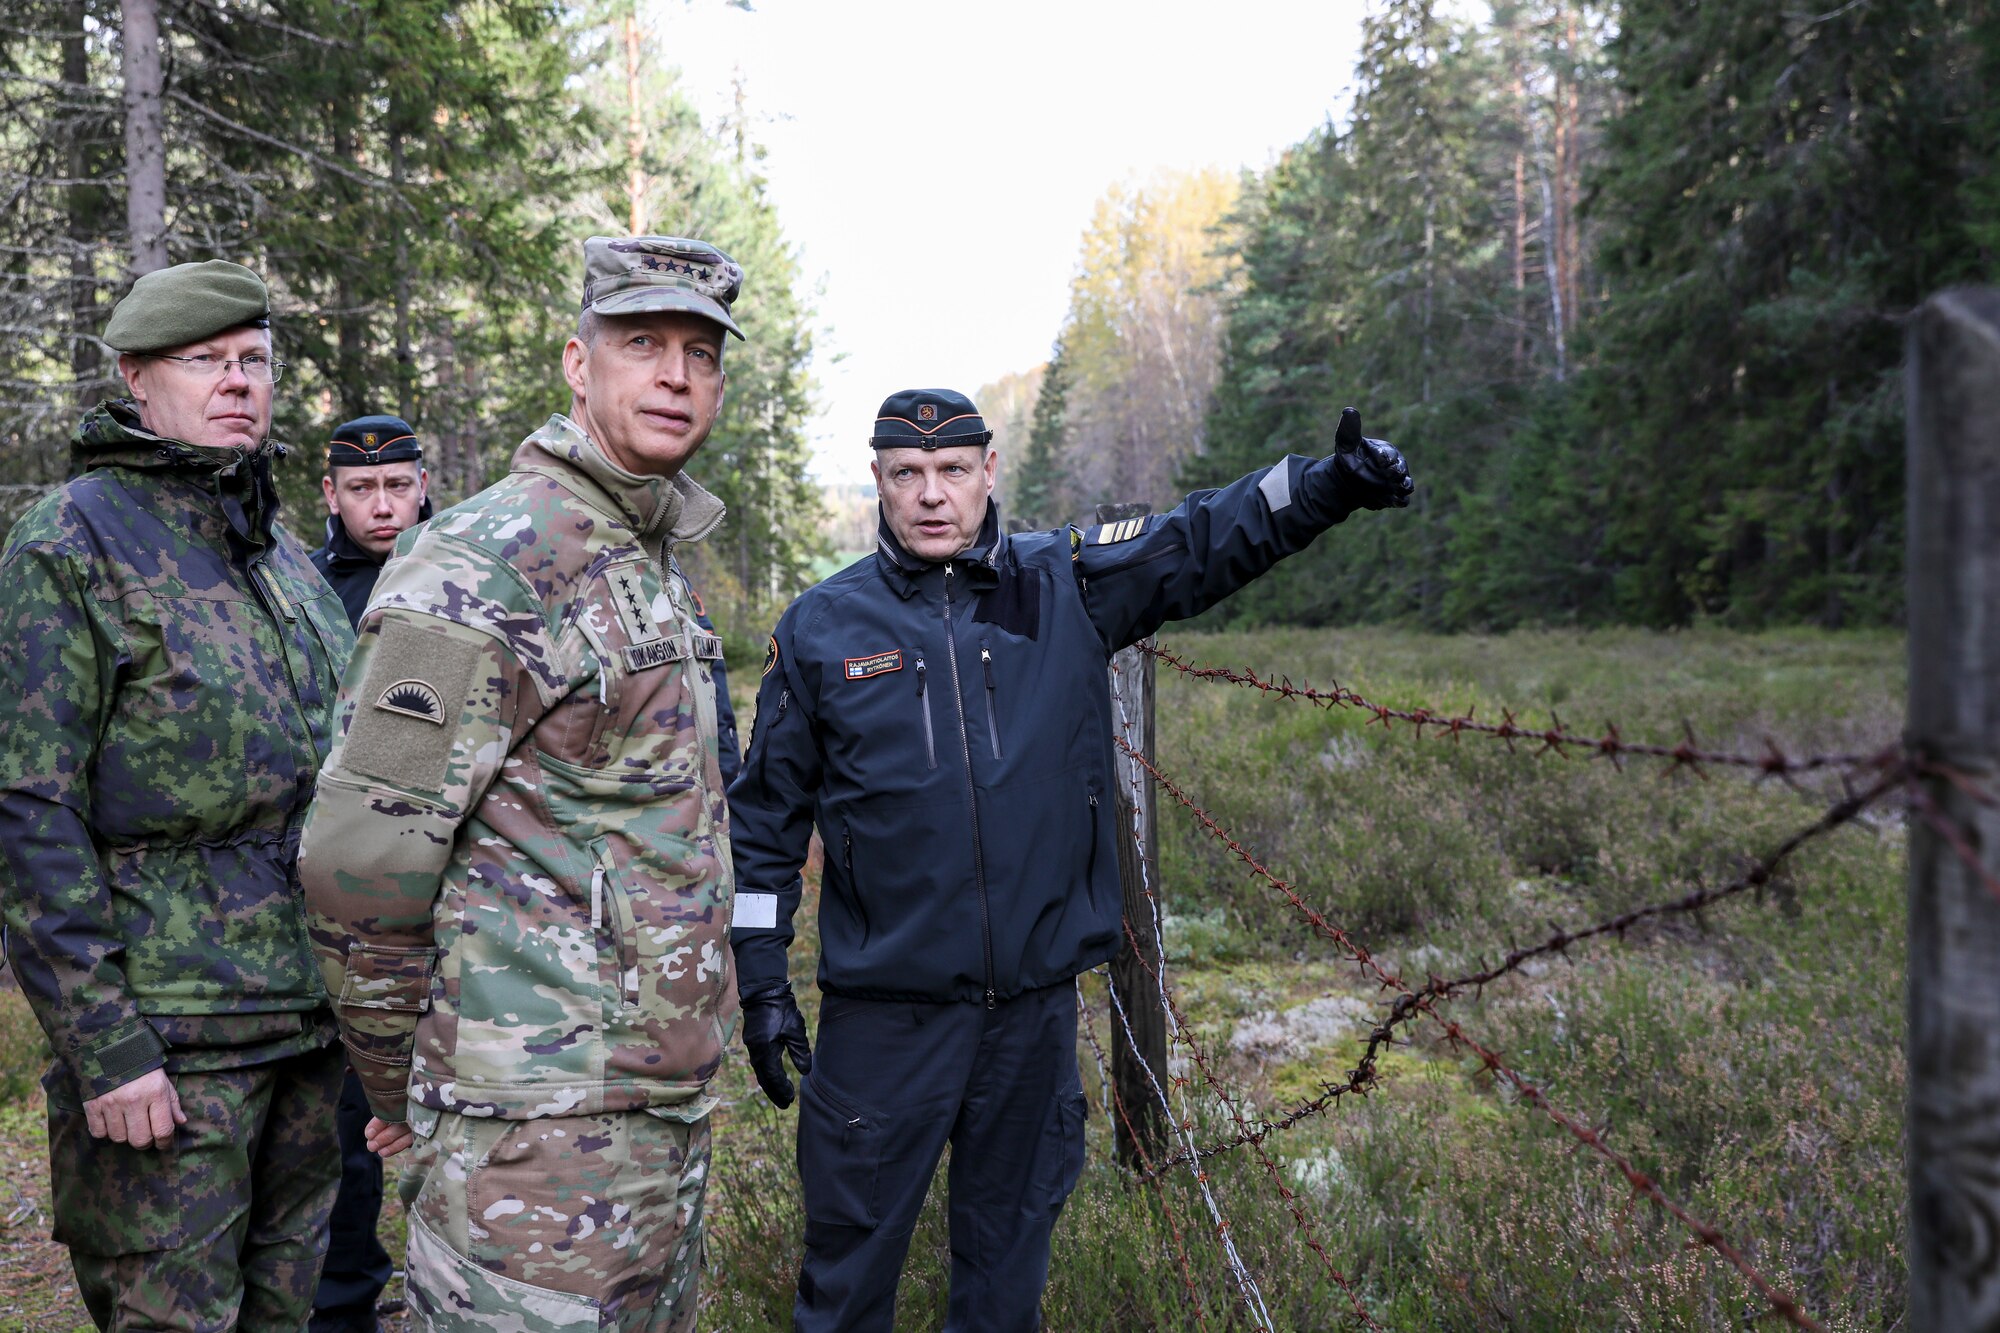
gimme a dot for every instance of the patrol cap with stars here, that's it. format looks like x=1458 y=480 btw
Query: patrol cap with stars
x=633 y=275
x=172 y=307
x=367 y=441
x=928 y=419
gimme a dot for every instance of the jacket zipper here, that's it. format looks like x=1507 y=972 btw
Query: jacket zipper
x=280 y=609
x=624 y=932
x=924 y=707
x=992 y=720
x=971 y=790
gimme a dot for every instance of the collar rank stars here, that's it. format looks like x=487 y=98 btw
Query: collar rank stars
x=645 y=646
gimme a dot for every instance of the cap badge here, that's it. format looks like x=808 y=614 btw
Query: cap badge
x=413 y=698
x=368 y=439
x=927 y=411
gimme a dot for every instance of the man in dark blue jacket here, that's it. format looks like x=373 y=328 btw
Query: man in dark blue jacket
x=941 y=713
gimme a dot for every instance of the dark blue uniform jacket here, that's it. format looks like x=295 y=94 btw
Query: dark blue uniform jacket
x=948 y=728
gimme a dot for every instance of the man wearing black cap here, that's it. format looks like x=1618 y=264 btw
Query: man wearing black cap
x=376 y=488
x=941 y=713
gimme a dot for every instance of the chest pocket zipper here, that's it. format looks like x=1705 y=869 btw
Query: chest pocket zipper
x=924 y=707
x=604 y=886
x=992 y=716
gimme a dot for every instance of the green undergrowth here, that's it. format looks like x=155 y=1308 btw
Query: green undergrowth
x=1749 y=1061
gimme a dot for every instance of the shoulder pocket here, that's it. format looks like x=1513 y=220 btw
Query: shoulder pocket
x=407 y=711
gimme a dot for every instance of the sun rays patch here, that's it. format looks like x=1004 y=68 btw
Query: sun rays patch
x=413 y=698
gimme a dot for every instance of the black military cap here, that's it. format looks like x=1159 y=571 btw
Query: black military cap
x=928 y=419
x=366 y=441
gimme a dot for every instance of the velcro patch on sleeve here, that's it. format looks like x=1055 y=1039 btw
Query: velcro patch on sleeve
x=407 y=710
x=875 y=664
x=756 y=911
x=1276 y=488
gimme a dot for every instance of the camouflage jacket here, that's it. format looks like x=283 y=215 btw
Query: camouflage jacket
x=517 y=864
x=168 y=665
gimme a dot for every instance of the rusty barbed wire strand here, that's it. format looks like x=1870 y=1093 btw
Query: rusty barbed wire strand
x=1114 y=1101
x=1246 y=1284
x=1941 y=822
x=1689 y=755
x=1893 y=771
x=1248 y=1294
x=1301 y=1220
x=1642 y=1184
x=1179 y=1029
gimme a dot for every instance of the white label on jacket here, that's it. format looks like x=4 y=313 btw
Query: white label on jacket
x=1277 y=485
x=756 y=911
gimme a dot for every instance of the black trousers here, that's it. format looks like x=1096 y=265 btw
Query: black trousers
x=357 y=1267
x=891 y=1084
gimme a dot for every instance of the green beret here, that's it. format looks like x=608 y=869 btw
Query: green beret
x=171 y=307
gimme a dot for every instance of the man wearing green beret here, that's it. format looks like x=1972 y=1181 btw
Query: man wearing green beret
x=169 y=661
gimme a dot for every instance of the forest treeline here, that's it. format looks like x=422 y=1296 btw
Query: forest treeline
x=1626 y=282
x=413 y=178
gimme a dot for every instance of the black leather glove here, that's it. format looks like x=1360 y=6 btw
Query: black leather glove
x=1372 y=473
x=772 y=1026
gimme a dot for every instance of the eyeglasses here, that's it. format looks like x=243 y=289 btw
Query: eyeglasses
x=256 y=369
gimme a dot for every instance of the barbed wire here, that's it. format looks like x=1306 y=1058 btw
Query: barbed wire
x=1179 y=1029
x=1411 y=999
x=1253 y=1297
x=1556 y=737
x=1890 y=770
x=1114 y=1103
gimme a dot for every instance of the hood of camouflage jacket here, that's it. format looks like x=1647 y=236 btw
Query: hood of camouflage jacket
x=662 y=510
x=110 y=436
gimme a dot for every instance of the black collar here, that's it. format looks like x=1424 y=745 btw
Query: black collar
x=979 y=562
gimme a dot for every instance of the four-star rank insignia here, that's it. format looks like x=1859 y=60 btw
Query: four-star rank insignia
x=413 y=698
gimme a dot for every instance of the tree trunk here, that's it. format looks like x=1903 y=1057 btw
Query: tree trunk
x=635 y=128
x=81 y=203
x=145 y=136
x=406 y=360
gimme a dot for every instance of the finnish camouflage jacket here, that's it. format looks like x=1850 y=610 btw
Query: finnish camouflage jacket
x=168 y=667
x=517 y=866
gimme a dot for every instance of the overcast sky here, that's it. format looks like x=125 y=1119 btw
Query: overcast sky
x=935 y=163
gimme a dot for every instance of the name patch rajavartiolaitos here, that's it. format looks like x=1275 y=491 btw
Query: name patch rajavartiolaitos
x=876 y=664
x=413 y=698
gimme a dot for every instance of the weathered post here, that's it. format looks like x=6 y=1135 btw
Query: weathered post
x=1132 y=974
x=1953 y=387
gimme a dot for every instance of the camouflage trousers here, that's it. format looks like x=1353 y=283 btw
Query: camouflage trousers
x=225 y=1227
x=566 y=1222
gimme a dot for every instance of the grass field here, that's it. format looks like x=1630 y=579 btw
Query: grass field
x=1751 y=1062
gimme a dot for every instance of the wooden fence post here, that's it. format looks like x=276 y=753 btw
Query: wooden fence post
x=1132 y=973
x=1953 y=387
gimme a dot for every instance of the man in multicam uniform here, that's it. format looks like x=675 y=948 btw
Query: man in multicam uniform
x=168 y=664
x=517 y=865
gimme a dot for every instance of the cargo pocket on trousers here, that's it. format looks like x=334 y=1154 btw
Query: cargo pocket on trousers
x=1063 y=1150
x=450 y=1294
x=840 y=1154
